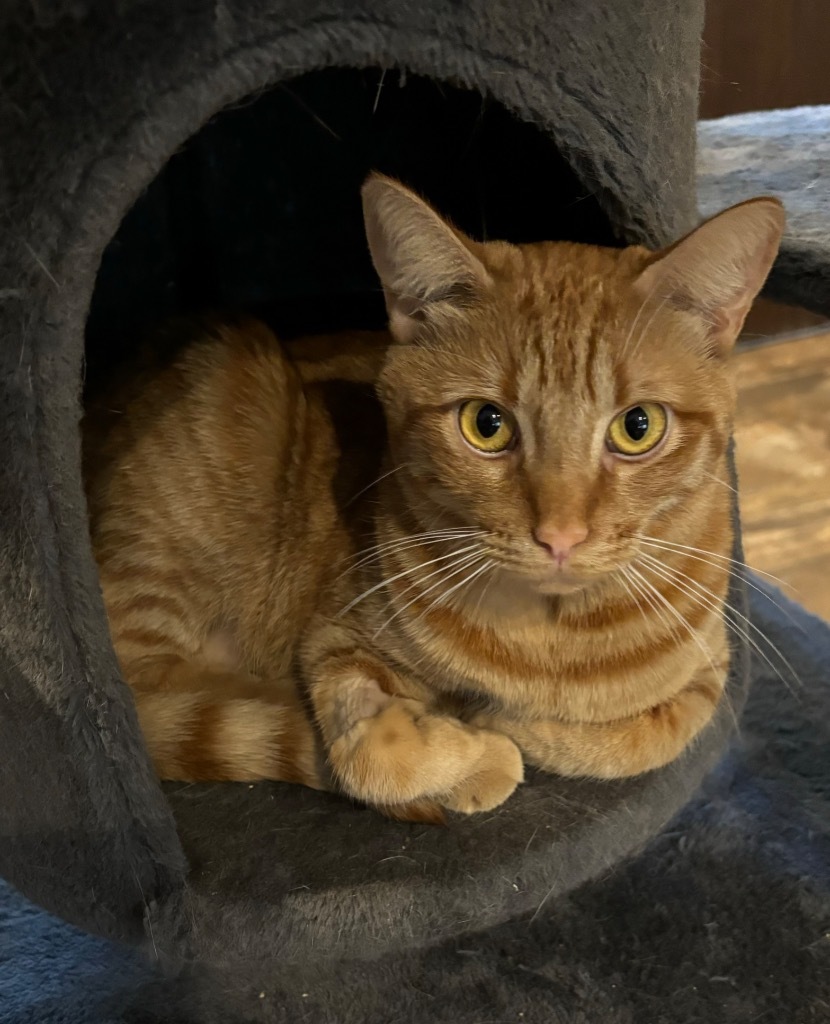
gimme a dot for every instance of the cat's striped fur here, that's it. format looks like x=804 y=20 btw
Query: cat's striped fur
x=311 y=577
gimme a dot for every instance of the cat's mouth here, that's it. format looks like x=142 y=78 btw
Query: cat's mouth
x=556 y=586
x=556 y=580
x=560 y=582
x=570 y=579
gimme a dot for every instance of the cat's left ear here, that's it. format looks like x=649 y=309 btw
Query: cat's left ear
x=717 y=270
x=426 y=266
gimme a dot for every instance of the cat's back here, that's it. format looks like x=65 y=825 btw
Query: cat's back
x=234 y=447
x=187 y=430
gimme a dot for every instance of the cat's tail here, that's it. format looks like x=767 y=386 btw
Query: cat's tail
x=207 y=737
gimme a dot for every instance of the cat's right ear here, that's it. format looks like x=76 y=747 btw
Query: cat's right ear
x=426 y=266
x=717 y=270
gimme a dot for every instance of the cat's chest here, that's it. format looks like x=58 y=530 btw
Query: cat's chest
x=584 y=671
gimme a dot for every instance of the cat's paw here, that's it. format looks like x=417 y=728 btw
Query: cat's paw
x=388 y=757
x=500 y=773
x=404 y=753
x=356 y=704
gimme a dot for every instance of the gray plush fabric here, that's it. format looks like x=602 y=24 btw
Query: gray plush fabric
x=783 y=153
x=95 y=96
x=723 y=919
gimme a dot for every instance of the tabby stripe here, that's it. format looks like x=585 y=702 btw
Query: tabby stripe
x=144 y=640
x=481 y=646
x=197 y=738
x=197 y=756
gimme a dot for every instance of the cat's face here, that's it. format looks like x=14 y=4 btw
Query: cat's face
x=563 y=400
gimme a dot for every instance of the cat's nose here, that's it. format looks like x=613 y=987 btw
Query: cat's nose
x=560 y=541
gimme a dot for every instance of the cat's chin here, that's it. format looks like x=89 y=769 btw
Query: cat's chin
x=560 y=584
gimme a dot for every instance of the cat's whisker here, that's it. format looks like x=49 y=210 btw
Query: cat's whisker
x=635 y=583
x=671 y=544
x=718 y=480
x=664 y=601
x=708 y=599
x=405 y=572
x=730 y=569
x=485 y=589
x=655 y=313
x=737 y=571
x=378 y=551
x=734 y=611
x=377 y=94
x=374 y=483
x=636 y=320
x=465 y=582
x=628 y=586
x=401 y=543
x=730 y=623
x=693 y=633
x=687 y=551
x=420 y=537
x=437 y=572
x=468 y=562
x=309 y=110
x=376 y=561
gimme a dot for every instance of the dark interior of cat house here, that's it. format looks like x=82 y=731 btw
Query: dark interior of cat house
x=260 y=210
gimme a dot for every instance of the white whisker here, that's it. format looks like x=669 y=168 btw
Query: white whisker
x=629 y=584
x=708 y=599
x=468 y=562
x=379 y=551
x=406 y=572
x=649 y=599
x=469 y=579
x=368 y=487
x=651 y=320
x=636 y=320
x=693 y=633
x=669 y=544
x=485 y=589
x=734 y=611
x=718 y=480
x=728 y=569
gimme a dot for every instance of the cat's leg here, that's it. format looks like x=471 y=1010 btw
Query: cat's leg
x=391 y=750
x=611 y=750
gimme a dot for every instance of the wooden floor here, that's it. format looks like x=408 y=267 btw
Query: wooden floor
x=783 y=452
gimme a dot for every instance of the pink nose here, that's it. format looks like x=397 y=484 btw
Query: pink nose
x=560 y=542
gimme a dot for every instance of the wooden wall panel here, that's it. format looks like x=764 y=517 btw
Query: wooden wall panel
x=760 y=54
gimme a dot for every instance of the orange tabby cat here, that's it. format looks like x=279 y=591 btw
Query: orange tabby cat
x=397 y=564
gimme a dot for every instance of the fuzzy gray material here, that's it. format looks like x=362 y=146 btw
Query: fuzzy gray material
x=723 y=919
x=785 y=153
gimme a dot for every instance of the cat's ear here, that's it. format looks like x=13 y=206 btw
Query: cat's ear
x=717 y=270
x=424 y=264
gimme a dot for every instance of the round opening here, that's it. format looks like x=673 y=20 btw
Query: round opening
x=260 y=211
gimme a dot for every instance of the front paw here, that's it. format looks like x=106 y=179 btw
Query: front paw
x=403 y=753
x=501 y=772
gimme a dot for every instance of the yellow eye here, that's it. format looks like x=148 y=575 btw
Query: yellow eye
x=486 y=427
x=638 y=429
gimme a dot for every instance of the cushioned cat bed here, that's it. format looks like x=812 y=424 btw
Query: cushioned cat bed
x=126 y=194
x=721 y=918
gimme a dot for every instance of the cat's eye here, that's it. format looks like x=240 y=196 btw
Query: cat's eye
x=638 y=430
x=486 y=426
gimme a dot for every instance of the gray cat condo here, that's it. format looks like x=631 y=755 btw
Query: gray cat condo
x=158 y=159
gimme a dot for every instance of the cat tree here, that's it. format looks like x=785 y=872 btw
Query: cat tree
x=158 y=158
